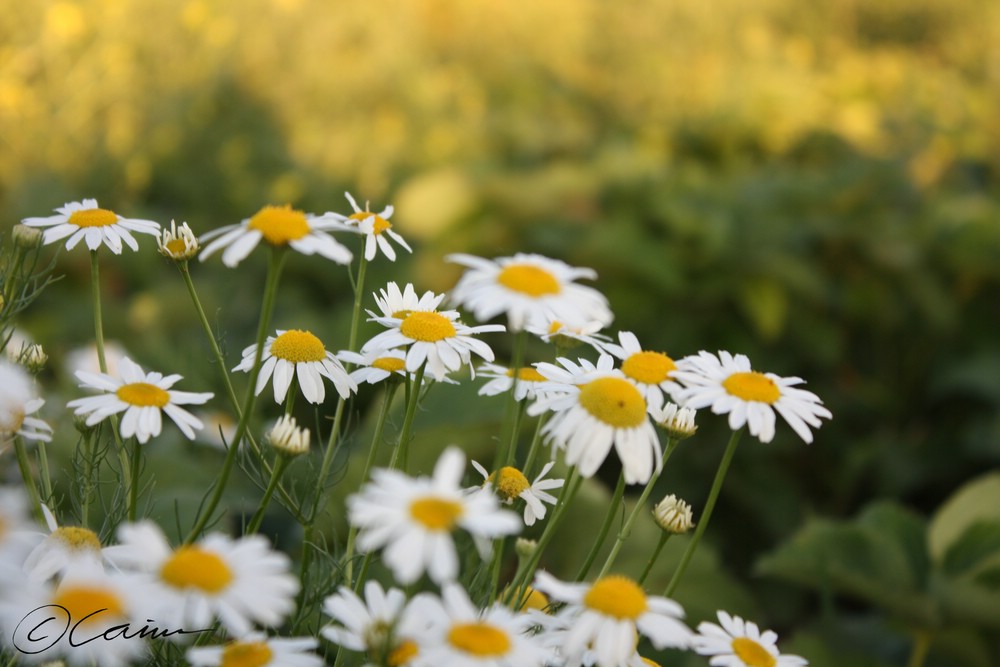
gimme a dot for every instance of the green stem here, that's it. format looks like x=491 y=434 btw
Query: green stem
x=43 y=469
x=520 y=584
x=133 y=492
x=536 y=440
x=267 y=308
x=706 y=515
x=29 y=480
x=664 y=536
x=276 y=472
x=616 y=499
x=512 y=411
x=95 y=290
x=639 y=508
x=383 y=416
x=88 y=486
x=359 y=287
x=401 y=453
x=921 y=646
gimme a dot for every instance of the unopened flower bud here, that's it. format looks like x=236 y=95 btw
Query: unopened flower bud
x=288 y=438
x=673 y=515
x=525 y=548
x=678 y=422
x=26 y=237
x=178 y=244
x=33 y=358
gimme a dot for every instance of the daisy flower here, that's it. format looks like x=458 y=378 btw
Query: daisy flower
x=728 y=384
x=608 y=616
x=461 y=635
x=567 y=337
x=413 y=518
x=17 y=403
x=651 y=371
x=502 y=379
x=62 y=549
x=240 y=582
x=375 y=365
x=595 y=408
x=298 y=354
x=141 y=396
x=383 y=624
x=436 y=337
x=553 y=630
x=375 y=227
x=395 y=303
x=739 y=643
x=530 y=289
x=260 y=651
x=82 y=618
x=95 y=226
x=279 y=226
x=178 y=244
x=510 y=483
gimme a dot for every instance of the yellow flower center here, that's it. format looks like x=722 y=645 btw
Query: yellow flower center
x=81 y=601
x=509 y=482
x=555 y=327
x=479 y=639
x=614 y=401
x=143 y=394
x=390 y=364
x=381 y=224
x=436 y=513
x=298 y=346
x=752 y=653
x=647 y=661
x=176 y=246
x=528 y=279
x=280 y=224
x=527 y=375
x=192 y=567
x=402 y=654
x=92 y=217
x=427 y=326
x=616 y=596
x=532 y=599
x=77 y=538
x=401 y=314
x=752 y=386
x=648 y=367
x=246 y=654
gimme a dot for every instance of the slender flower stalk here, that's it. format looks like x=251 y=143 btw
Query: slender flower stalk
x=29 y=479
x=274 y=267
x=401 y=454
x=602 y=534
x=276 y=472
x=664 y=536
x=513 y=411
x=536 y=441
x=383 y=416
x=639 y=508
x=706 y=515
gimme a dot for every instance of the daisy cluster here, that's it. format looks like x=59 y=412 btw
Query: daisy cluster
x=423 y=577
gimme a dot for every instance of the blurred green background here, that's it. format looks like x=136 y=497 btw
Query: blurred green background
x=813 y=184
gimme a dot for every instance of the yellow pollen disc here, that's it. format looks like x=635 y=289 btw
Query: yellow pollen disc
x=436 y=513
x=649 y=367
x=616 y=596
x=647 y=661
x=752 y=653
x=402 y=654
x=528 y=279
x=280 y=224
x=81 y=601
x=246 y=654
x=143 y=394
x=527 y=375
x=555 y=327
x=390 y=364
x=77 y=538
x=176 y=246
x=509 y=482
x=614 y=401
x=480 y=639
x=533 y=599
x=298 y=346
x=92 y=217
x=191 y=567
x=752 y=386
x=381 y=224
x=426 y=326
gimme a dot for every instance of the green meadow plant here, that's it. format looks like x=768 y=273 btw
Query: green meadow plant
x=431 y=569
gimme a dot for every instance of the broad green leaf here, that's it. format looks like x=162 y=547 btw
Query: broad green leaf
x=978 y=544
x=978 y=500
